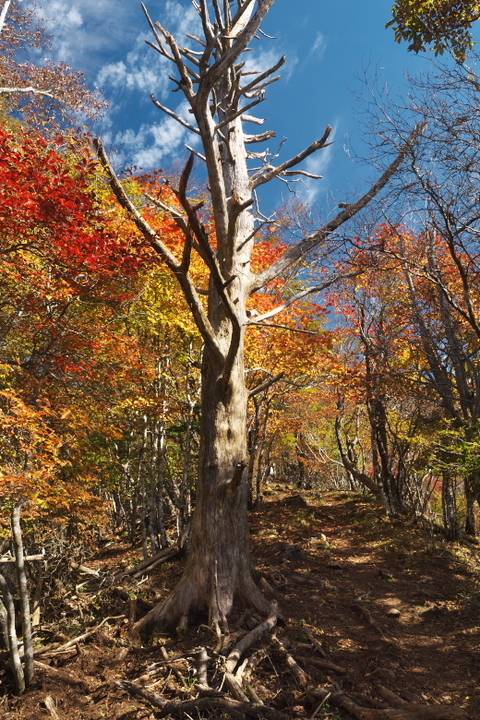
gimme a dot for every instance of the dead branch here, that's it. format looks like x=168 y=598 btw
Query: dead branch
x=368 y=618
x=27 y=558
x=267 y=174
x=202 y=659
x=314 y=641
x=194 y=302
x=310 y=242
x=29 y=89
x=393 y=699
x=3 y=14
x=263 y=137
x=323 y=664
x=266 y=384
x=295 y=669
x=156 y=560
x=246 y=669
x=235 y=688
x=79 y=638
x=259 y=320
x=252 y=637
x=255 y=83
x=84 y=570
x=51 y=707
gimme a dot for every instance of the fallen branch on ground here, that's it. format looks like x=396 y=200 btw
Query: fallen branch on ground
x=160 y=557
x=79 y=638
x=323 y=664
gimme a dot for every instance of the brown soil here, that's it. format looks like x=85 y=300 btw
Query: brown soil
x=389 y=601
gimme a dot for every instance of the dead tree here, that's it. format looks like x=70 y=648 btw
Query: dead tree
x=220 y=95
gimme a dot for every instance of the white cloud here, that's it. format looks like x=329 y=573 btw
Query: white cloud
x=139 y=71
x=86 y=29
x=319 y=46
x=181 y=19
x=148 y=147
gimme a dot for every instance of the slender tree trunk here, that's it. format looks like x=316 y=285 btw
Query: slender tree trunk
x=450 y=517
x=7 y=611
x=23 y=591
x=471 y=497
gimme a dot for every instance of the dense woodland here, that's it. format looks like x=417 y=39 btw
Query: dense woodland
x=170 y=357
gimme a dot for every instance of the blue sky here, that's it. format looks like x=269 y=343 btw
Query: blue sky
x=327 y=44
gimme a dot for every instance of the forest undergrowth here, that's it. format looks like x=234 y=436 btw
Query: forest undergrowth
x=377 y=618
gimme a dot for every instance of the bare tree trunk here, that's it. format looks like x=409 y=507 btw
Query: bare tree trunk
x=449 y=503
x=471 y=497
x=218 y=569
x=8 y=629
x=23 y=590
x=220 y=94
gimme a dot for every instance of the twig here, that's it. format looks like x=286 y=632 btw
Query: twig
x=322 y=703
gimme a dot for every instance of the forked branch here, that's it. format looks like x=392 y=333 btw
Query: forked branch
x=264 y=175
x=189 y=291
x=310 y=242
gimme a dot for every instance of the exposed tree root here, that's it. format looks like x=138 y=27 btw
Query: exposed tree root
x=225 y=685
x=407 y=711
x=219 y=701
x=192 y=597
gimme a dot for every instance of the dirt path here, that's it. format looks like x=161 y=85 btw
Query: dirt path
x=393 y=605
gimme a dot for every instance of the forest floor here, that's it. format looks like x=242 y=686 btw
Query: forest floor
x=388 y=604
